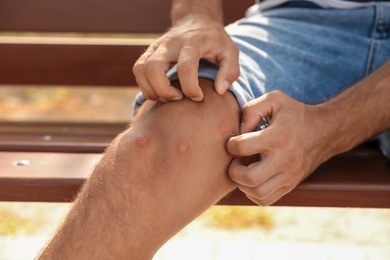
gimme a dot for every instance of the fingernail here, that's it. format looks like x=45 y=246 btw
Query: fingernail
x=163 y=100
x=225 y=85
x=197 y=99
x=177 y=98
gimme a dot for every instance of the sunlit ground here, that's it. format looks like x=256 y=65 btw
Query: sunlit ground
x=221 y=233
x=228 y=233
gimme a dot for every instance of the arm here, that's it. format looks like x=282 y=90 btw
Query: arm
x=182 y=8
x=301 y=137
x=360 y=112
x=197 y=32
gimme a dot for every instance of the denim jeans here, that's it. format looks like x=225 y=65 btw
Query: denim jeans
x=309 y=54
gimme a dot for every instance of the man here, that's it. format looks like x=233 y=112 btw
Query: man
x=318 y=72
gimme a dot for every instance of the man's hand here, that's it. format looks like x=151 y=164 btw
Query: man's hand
x=193 y=37
x=291 y=148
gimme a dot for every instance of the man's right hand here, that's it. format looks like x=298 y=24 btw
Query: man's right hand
x=193 y=37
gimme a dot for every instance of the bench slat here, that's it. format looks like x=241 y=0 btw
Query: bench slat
x=84 y=16
x=62 y=128
x=341 y=182
x=51 y=177
x=55 y=143
x=58 y=137
x=68 y=64
x=96 y=16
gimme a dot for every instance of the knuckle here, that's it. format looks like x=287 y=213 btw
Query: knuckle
x=233 y=49
x=153 y=65
x=184 y=66
x=234 y=173
x=234 y=73
x=261 y=203
x=261 y=194
x=258 y=201
x=249 y=107
x=138 y=68
x=277 y=96
x=240 y=147
x=251 y=180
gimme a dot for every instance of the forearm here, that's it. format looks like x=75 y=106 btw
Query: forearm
x=358 y=113
x=181 y=8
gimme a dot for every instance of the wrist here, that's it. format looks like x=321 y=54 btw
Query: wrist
x=337 y=129
x=211 y=9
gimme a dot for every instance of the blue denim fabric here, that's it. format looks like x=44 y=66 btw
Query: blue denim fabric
x=309 y=54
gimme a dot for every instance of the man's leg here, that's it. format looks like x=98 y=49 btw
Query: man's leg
x=155 y=178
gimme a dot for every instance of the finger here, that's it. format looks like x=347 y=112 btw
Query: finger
x=187 y=69
x=246 y=144
x=155 y=70
x=264 y=189
x=253 y=112
x=146 y=87
x=249 y=176
x=277 y=195
x=270 y=191
x=142 y=81
x=229 y=70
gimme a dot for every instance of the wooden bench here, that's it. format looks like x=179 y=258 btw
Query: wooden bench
x=49 y=161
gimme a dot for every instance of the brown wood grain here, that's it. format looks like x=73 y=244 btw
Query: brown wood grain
x=97 y=16
x=360 y=178
x=68 y=64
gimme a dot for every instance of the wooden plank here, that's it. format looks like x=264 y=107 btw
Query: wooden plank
x=321 y=198
x=58 y=137
x=84 y=16
x=98 y=16
x=360 y=178
x=48 y=177
x=72 y=61
x=62 y=128
x=55 y=143
x=68 y=64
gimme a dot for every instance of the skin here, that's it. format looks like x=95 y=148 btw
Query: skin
x=176 y=159
x=155 y=178
x=316 y=133
x=197 y=32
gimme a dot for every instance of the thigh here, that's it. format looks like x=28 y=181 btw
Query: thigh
x=310 y=54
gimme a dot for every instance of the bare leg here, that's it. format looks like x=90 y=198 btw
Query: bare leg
x=168 y=168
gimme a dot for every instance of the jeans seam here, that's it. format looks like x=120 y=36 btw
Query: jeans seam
x=373 y=46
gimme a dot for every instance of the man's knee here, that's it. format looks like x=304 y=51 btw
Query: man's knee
x=171 y=133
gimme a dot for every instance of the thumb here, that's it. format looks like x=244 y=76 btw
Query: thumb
x=228 y=72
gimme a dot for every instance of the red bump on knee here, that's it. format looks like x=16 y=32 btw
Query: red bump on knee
x=183 y=147
x=225 y=127
x=141 y=141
